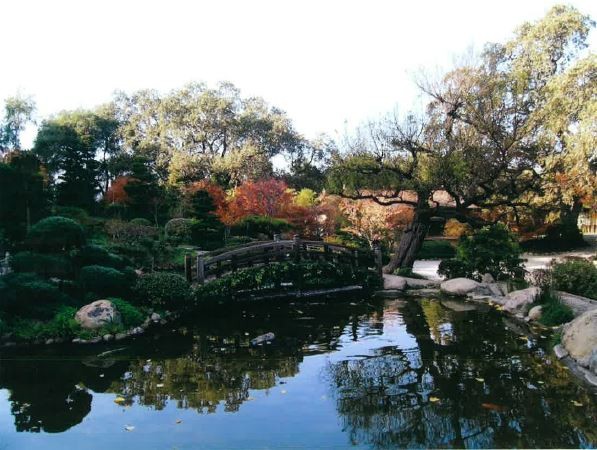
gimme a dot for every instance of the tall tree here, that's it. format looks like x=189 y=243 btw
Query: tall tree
x=483 y=138
x=18 y=111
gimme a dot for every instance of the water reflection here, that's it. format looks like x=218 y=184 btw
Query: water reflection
x=421 y=373
x=465 y=384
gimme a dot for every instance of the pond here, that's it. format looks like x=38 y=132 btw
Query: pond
x=353 y=374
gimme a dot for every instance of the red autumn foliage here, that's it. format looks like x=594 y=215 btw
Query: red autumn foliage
x=261 y=198
x=116 y=193
x=216 y=193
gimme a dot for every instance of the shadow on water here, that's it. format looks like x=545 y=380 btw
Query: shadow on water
x=456 y=377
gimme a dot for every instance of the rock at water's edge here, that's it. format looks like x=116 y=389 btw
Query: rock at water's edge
x=97 y=314
x=464 y=286
x=518 y=301
x=580 y=337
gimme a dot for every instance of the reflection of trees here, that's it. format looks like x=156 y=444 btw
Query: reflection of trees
x=206 y=364
x=204 y=378
x=384 y=399
x=50 y=394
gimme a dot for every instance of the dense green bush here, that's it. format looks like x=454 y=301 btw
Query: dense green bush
x=131 y=316
x=436 y=250
x=63 y=323
x=303 y=275
x=55 y=234
x=162 y=290
x=96 y=255
x=72 y=212
x=207 y=234
x=553 y=311
x=28 y=295
x=178 y=231
x=453 y=268
x=103 y=281
x=576 y=277
x=492 y=249
x=141 y=221
x=254 y=226
x=44 y=264
x=234 y=241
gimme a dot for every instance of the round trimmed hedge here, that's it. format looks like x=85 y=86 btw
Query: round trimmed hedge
x=162 y=290
x=55 y=234
x=103 y=280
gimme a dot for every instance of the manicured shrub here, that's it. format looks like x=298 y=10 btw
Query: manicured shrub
x=140 y=255
x=436 y=250
x=162 y=290
x=72 y=212
x=141 y=221
x=55 y=234
x=179 y=230
x=103 y=280
x=28 y=295
x=129 y=233
x=492 y=249
x=96 y=255
x=44 y=264
x=131 y=316
x=453 y=268
x=254 y=226
x=576 y=277
x=234 y=241
x=208 y=234
x=455 y=229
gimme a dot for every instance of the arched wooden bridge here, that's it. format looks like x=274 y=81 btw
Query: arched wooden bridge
x=220 y=262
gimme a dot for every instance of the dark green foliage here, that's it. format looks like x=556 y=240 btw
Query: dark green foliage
x=103 y=281
x=347 y=239
x=63 y=324
x=137 y=253
x=44 y=264
x=178 y=230
x=234 y=241
x=553 y=311
x=67 y=149
x=95 y=255
x=254 y=226
x=162 y=290
x=55 y=234
x=141 y=221
x=453 y=268
x=436 y=250
x=303 y=275
x=576 y=277
x=144 y=192
x=28 y=295
x=492 y=249
x=72 y=212
x=23 y=194
x=131 y=316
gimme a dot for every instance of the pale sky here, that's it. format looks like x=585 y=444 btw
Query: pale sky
x=328 y=64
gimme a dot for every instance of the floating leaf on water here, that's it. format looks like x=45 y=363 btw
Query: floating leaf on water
x=119 y=400
x=434 y=399
x=541 y=382
x=102 y=375
x=523 y=338
x=480 y=380
x=178 y=420
x=159 y=385
x=283 y=391
x=129 y=428
x=575 y=403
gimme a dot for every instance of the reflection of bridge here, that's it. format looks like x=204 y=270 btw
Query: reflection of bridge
x=219 y=262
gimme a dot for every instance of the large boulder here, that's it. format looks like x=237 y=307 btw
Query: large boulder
x=393 y=282
x=98 y=314
x=535 y=313
x=580 y=337
x=519 y=301
x=464 y=286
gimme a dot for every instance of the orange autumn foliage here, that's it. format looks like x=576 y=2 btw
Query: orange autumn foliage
x=270 y=198
x=116 y=193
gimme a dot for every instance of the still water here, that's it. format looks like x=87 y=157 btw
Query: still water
x=355 y=374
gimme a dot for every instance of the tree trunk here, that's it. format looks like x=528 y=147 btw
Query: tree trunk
x=410 y=242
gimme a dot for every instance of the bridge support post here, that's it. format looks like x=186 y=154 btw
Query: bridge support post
x=296 y=247
x=187 y=268
x=277 y=237
x=378 y=260
x=200 y=270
